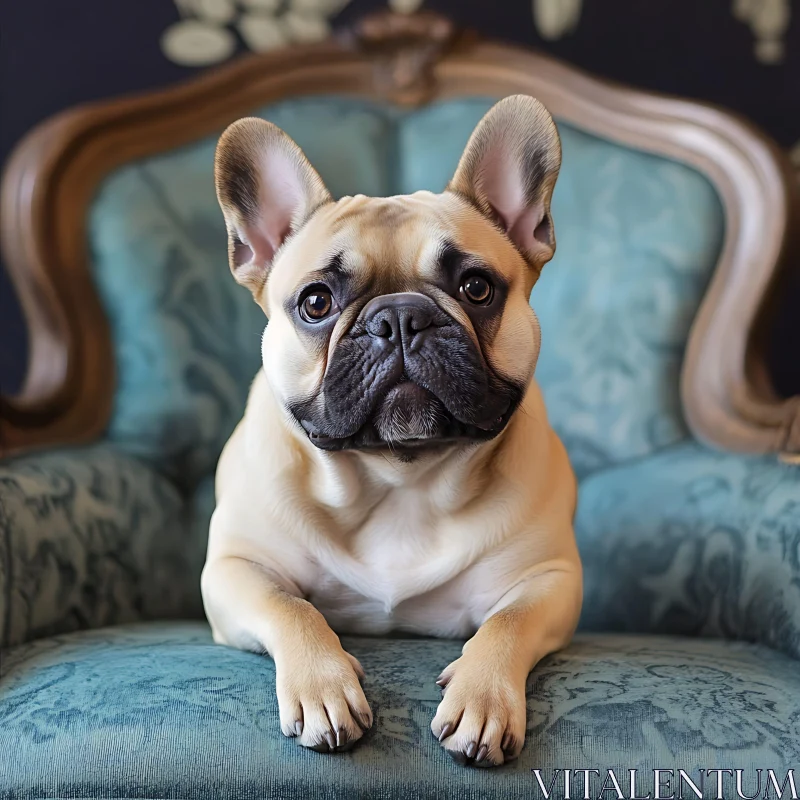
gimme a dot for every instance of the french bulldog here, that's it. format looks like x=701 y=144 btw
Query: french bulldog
x=394 y=468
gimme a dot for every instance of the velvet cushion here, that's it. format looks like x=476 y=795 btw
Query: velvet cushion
x=693 y=541
x=158 y=710
x=638 y=238
x=91 y=536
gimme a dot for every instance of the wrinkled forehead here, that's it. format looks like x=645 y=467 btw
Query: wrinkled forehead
x=394 y=243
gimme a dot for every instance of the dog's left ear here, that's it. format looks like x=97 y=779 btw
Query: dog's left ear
x=509 y=169
x=267 y=190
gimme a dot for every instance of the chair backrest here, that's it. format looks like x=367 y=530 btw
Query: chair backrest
x=660 y=204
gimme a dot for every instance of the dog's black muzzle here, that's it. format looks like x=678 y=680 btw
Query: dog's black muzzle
x=399 y=338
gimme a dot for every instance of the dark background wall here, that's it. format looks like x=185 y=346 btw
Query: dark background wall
x=743 y=54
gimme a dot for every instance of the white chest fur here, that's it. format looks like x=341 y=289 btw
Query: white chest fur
x=385 y=574
x=408 y=566
x=400 y=534
x=444 y=611
x=402 y=548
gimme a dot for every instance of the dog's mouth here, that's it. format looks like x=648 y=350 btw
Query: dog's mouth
x=409 y=418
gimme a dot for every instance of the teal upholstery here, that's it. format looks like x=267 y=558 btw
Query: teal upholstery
x=691 y=541
x=678 y=542
x=160 y=711
x=93 y=537
x=638 y=238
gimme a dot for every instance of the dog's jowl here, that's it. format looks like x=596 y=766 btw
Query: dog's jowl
x=394 y=469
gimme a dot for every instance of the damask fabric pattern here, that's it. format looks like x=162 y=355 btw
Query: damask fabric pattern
x=160 y=711
x=93 y=537
x=693 y=541
x=638 y=238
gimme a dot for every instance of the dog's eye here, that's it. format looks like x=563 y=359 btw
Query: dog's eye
x=316 y=305
x=477 y=290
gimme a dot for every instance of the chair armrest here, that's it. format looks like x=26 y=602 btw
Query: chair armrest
x=91 y=537
x=693 y=541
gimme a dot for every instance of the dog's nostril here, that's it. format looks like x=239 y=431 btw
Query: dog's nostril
x=383 y=329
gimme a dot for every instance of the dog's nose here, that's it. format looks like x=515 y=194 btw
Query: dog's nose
x=400 y=317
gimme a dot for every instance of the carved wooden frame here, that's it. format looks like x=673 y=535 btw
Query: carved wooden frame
x=52 y=175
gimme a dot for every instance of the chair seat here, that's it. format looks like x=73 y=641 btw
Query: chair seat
x=159 y=710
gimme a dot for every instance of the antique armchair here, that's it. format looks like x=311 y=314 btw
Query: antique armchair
x=675 y=233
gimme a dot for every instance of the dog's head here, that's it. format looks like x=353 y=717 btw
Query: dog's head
x=398 y=322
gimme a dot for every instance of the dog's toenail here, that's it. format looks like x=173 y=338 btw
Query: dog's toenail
x=481 y=753
x=341 y=737
x=364 y=721
x=506 y=743
x=471 y=748
x=446 y=731
x=298 y=728
x=330 y=740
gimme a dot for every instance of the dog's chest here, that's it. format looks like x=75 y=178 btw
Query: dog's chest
x=444 y=611
x=396 y=573
x=400 y=535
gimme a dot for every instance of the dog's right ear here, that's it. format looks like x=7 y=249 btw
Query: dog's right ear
x=267 y=190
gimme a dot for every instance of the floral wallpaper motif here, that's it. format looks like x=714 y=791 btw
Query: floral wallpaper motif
x=555 y=18
x=205 y=33
x=768 y=20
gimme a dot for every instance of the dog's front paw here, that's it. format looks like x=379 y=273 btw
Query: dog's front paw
x=481 y=719
x=321 y=701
